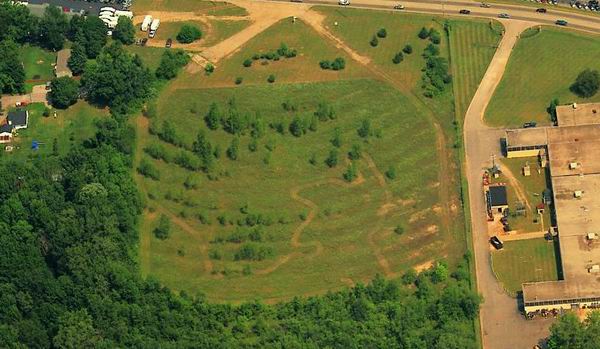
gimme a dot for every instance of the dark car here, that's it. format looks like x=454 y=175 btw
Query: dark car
x=561 y=22
x=169 y=43
x=541 y=10
x=144 y=41
x=485 y=5
x=464 y=12
x=530 y=124
x=496 y=243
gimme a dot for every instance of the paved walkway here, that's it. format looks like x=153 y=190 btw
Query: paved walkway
x=503 y=326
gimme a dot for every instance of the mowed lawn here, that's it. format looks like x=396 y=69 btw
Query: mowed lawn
x=38 y=64
x=200 y=6
x=69 y=128
x=525 y=261
x=310 y=47
x=472 y=45
x=551 y=60
x=150 y=55
x=351 y=223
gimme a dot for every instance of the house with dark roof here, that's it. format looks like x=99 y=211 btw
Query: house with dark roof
x=497 y=198
x=15 y=120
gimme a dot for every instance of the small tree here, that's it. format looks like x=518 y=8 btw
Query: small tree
x=364 y=130
x=354 y=153
x=338 y=64
x=351 y=172
x=124 y=31
x=325 y=64
x=408 y=49
x=398 y=57
x=78 y=59
x=188 y=34
x=297 y=127
x=374 y=41
x=163 y=230
x=239 y=80
x=435 y=36
x=213 y=117
x=271 y=79
x=391 y=173
x=247 y=63
x=552 y=109
x=337 y=138
x=399 y=230
x=332 y=158
x=233 y=150
x=424 y=33
x=382 y=33
x=64 y=92
x=209 y=68
x=587 y=83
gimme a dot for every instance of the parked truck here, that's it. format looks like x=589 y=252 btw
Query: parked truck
x=146 y=23
x=154 y=26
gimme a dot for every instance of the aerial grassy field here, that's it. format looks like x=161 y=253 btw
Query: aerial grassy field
x=70 y=127
x=525 y=261
x=215 y=8
x=149 y=55
x=549 y=76
x=310 y=47
x=213 y=31
x=38 y=64
x=311 y=228
x=472 y=45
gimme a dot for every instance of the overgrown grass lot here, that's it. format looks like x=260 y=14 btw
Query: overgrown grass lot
x=525 y=261
x=264 y=212
x=552 y=59
x=213 y=30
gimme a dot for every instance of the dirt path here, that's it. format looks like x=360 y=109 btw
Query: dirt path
x=519 y=190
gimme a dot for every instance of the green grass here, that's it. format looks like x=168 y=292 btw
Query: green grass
x=345 y=216
x=38 y=65
x=221 y=30
x=171 y=29
x=551 y=61
x=533 y=186
x=149 y=55
x=209 y=7
x=70 y=127
x=473 y=44
x=305 y=67
x=525 y=261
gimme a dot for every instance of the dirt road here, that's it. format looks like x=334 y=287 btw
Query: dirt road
x=503 y=326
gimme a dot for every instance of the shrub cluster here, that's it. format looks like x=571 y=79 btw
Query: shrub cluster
x=253 y=252
x=337 y=64
x=282 y=51
x=147 y=169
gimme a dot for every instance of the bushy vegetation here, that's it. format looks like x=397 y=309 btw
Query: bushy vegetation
x=124 y=31
x=64 y=92
x=436 y=74
x=282 y=52
x=188 y=34
x=337 y=64
x=570 y=333
x=171 y=62
x=587 y=83
x=104 y=83
x=12 y=73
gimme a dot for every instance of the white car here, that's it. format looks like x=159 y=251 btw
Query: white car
x=399 y=7
x=344 y=2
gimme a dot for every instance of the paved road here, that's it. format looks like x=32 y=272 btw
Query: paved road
x=502 y=324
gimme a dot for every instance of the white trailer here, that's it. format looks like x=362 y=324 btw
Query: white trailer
x=107 y=9
x=110 y=23
x=146 y=23
x=127 y=14
x=154 y=27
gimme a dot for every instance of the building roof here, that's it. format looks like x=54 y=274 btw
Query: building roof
x=6 y=128
x=523 y=137
x=62 y=58
x=497 y=196
x=17 y=118
x=578 y=114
